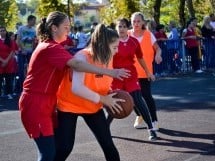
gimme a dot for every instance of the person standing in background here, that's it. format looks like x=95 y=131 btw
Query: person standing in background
x=7 y=62
x=151 y=51
x=26 y=36
x=192 y=44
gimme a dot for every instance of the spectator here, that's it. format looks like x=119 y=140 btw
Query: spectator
x=207 y=30
x=7 y=62
x=212 y=21
x=160 y=34
x=192 y=44
x=173 y=34
x=26 y=36
x=174 y=58
x=81 y=38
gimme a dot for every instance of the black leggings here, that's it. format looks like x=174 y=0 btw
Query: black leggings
x=141 y=107
x=65 y=134
x=145 y=85
x=46 y=148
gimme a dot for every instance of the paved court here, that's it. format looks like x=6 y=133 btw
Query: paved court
x=186 y=111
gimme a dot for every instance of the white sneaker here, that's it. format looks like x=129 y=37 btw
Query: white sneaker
x=138 y=122
x=199 y=71
x=155 y=126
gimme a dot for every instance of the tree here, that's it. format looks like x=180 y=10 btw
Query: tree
x=157 y=5
x=212 y=5
x=190 y=8
x=8 y=14
x=47 y=6
x=182 y=19
x=116 y=9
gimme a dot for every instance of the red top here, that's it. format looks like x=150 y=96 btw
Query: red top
x=5 y=51
x=160 y=35
x=37 y=102
x=125 y=58
x=191 y=42
x=126 y=53
x=44 y=74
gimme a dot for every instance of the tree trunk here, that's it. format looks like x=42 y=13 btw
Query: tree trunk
x=182 y=20
x=212 y=5
x=157 y=6
x=190 y=8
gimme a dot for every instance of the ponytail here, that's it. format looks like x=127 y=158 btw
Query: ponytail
x=101 y=38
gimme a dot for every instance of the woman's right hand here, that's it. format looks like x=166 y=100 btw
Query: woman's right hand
x=120 y=73
x=111 y=102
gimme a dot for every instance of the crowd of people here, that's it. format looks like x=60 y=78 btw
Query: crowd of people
x=63 y=74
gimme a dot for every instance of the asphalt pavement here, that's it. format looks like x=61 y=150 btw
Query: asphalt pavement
x=186 y=113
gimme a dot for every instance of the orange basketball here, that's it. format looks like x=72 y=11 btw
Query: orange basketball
x=127 y=106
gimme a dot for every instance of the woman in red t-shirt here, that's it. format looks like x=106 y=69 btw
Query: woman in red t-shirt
x=46 y=68
x=128 y=49
x=7 y=62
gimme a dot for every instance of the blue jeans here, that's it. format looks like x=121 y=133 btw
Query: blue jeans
x=23 y=61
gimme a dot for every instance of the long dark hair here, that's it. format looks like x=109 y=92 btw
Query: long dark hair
x=101 y=38
x=44 y=27
x=7 y=40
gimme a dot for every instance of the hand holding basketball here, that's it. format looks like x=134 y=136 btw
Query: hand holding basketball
x=126 y=106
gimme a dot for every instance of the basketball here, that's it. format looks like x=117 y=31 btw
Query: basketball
x=127 y=106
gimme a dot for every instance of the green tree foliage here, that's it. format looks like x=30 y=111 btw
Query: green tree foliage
x=212 y=2
x=8 y=14
x=117 y=9
x=66 y=6
x=47 y=6
x=160 y=10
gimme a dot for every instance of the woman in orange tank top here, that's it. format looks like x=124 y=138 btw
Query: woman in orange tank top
x=151 y=52
x=83 y=94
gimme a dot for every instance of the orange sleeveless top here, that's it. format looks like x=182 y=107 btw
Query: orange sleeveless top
x=148 y=54
x=69 y=102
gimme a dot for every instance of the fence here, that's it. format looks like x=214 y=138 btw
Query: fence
x=176 y=59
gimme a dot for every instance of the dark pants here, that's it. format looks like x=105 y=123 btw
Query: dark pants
x=65 y=134
x=141 y=107
x=23 y=61
x=8 y=86
x=195 y=61
x=46 y=148
x=145 y=85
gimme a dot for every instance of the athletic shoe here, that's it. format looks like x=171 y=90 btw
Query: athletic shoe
x=138 y=122
x=152 y=135
x=155 y=126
